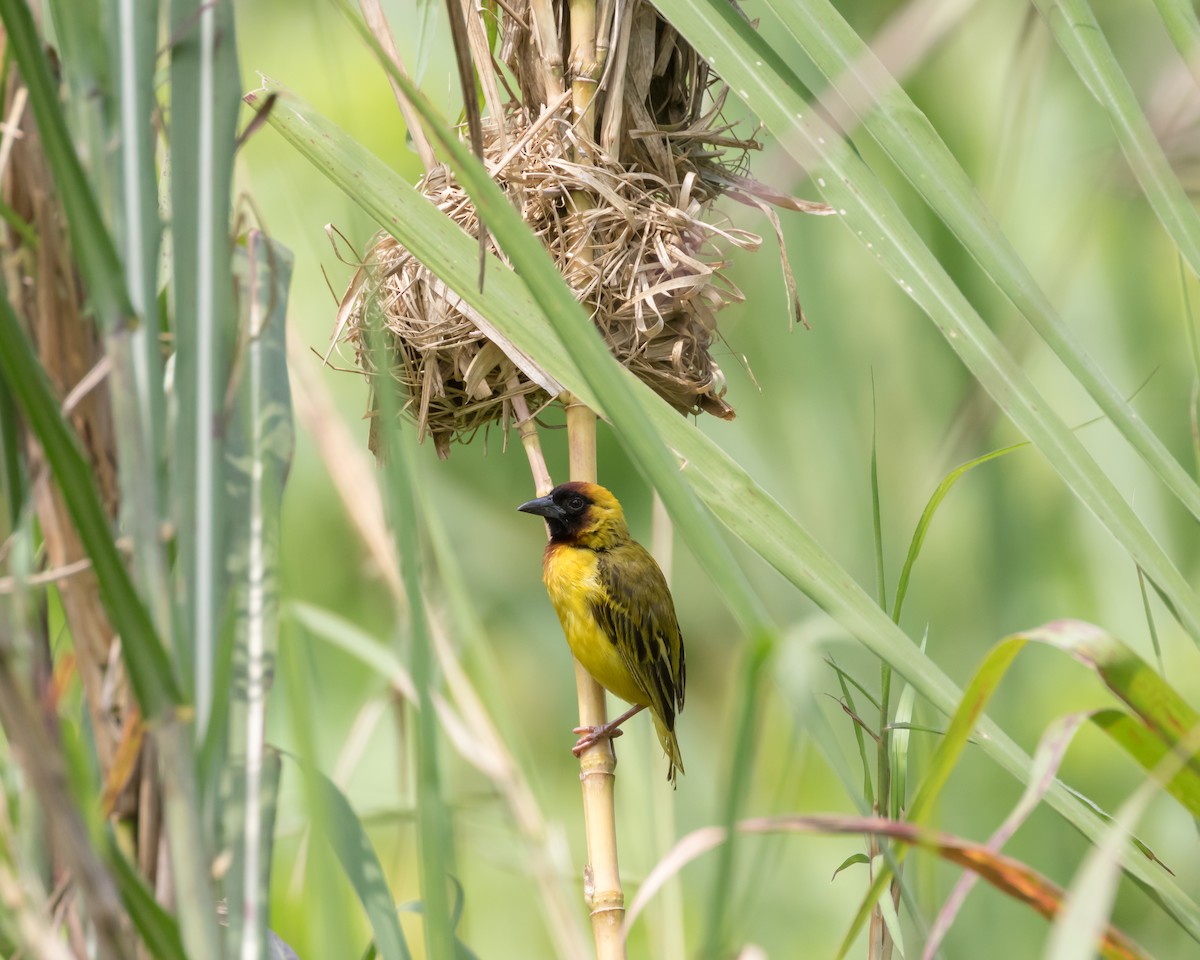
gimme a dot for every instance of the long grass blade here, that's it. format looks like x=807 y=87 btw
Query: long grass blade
x=133 y=24
x=157 y=928
x=849 y=186
x=900 y=127
x=898 y=744
x=1079 y=36
x=740 y=770
x=12 y=471
x=353 y=640
x=1193 y=342
x=86 y=76
x=868 y=789
x=922 y=528
x=1183 y=26
x=132 y=344
x=358 y=859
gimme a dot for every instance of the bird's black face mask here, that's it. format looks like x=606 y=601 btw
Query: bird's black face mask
x=564 y=509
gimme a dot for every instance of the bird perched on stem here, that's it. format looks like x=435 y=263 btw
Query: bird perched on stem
x=615 y=608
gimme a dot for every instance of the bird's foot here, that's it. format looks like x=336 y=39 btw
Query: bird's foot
x=593 y=735
x=604 y=731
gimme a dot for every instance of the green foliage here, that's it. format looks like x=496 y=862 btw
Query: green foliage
x=362 y=866
x=730 y=493
x=773 y=509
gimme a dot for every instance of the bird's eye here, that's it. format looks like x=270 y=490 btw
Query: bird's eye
x=575 y=504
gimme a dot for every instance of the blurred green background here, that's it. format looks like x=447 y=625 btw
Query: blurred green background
x=1011 y=548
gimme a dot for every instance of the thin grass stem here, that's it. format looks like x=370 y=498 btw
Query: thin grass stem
x=672 y=940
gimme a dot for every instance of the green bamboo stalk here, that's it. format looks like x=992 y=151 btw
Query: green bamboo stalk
x=259 y=454
x=138 y=390
x=204 y=100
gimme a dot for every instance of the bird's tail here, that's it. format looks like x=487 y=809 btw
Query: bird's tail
x=670 y=745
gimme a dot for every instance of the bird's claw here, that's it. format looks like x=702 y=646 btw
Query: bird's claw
x=593 y=735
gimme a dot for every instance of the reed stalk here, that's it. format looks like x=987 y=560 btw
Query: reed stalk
x=545 y=32
x=377 y=20
x=585 y=68
x=527 y=430
x=598 y=764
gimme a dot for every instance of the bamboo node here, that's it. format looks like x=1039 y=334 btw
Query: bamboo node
x=597 y=762
x=610 y=901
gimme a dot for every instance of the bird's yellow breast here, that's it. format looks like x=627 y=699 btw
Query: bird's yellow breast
x=571 y=580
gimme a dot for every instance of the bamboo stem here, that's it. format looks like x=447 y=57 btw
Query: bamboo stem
x=545 y=34
x=542 y=484
x=585 y=68
x=611 y=125
x=597 y=765
x=604 y=33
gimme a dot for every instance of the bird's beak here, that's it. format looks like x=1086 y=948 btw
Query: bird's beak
x=543 y=507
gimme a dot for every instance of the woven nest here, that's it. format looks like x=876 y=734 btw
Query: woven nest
x=626 y=222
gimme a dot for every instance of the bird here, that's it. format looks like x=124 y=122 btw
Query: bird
x=615 y=608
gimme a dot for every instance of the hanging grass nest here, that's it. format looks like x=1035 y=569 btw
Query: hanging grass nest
x=628 y=218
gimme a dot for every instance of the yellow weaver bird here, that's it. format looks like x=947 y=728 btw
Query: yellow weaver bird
x=615 y=608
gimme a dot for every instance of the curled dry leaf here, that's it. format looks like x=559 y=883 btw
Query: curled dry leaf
x=1007 y=875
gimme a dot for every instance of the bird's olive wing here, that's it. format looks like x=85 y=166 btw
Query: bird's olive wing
x=636 y=612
